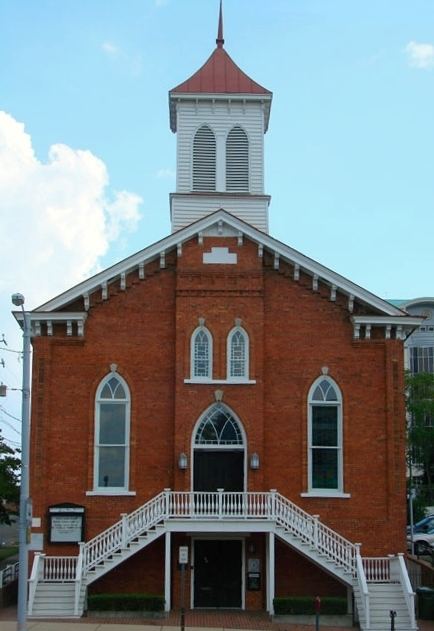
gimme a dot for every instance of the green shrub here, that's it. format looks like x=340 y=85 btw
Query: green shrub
x=125 y=602
x=305 y=605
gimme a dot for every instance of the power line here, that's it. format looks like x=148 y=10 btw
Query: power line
x=11 y=426
x=10 y=415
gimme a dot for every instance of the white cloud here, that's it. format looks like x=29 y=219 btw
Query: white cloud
x=58 y=217
x=133 y=62
x=110 y=49
x=166 y=174
x=420 y=55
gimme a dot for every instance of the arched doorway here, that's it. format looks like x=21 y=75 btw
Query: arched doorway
x=219 y=462
x=218 y=451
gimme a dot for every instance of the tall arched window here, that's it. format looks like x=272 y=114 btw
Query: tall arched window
x=238 y=354
x=201 y=354
x=112 y=434
x=237 y=160
x=325 y=436
x=204 y=160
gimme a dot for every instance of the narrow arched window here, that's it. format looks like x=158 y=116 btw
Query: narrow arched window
x=238 y=354
x=325 y=437
x=237 y=160
x=112 y=434
x=201 y=354
x=204 y=160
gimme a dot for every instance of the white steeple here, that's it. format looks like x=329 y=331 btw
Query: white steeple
x=220 y=116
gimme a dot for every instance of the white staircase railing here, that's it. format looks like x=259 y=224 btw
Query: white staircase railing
x=407 y=588
x=123 y=532
x=310 y=530
x=35 y=577
x=197 y=505
x=363 y=588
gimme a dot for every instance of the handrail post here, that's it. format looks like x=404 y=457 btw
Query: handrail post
x=78 y=577
x=220 y=503
x=33 y=581
x=124 y=530
x=315 y=531
x=407 y=588
x=167 y=494
x=273 y=493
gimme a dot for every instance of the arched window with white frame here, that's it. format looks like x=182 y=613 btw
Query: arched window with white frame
x=204 y=160
x=325 y=437
x=201 y=353
x=112 y=435
x=238 y=354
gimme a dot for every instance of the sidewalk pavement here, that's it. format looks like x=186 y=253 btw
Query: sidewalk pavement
x=86 y=624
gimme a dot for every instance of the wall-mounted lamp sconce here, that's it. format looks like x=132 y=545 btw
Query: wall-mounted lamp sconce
x=254 y=461
x=182 y=461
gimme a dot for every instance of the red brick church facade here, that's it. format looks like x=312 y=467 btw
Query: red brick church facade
x=220 y=358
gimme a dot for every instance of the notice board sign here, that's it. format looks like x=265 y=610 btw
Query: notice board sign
x=66 y=523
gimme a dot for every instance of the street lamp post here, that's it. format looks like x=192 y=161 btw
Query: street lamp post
x=25 y=505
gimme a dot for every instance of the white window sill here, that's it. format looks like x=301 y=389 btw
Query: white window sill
x=230 y=382
x=332 y=494
x=110 y=492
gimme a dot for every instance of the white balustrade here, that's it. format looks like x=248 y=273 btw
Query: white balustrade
x=407 y=589
x=207 y=505
x=59 y=569
x=363 y=588
x=377 y=569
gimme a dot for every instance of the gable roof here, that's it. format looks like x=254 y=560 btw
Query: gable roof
x=221 y=218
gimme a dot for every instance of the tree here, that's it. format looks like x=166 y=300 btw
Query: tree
x=420 y=409
x=10 y=465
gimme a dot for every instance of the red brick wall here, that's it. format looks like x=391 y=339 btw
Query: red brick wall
x=293 y=332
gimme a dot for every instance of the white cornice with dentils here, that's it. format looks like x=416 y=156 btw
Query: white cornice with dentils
x=284 y=252
x=236 y=97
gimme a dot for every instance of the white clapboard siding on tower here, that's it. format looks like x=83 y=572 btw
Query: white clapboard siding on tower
x=221 y=117
x=185 y=209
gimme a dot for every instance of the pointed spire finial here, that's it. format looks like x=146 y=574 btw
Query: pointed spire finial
x=220 y=41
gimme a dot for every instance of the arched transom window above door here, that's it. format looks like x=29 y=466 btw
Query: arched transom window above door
x=218 y=427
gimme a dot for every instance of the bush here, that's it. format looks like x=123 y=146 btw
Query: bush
x=305 y=605
x=125 y=602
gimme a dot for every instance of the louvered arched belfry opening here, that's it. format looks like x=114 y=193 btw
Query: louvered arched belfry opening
x=237 y=160
x=204 y=160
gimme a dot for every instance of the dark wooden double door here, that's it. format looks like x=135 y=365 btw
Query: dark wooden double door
x=218 y=562
x=218 y=469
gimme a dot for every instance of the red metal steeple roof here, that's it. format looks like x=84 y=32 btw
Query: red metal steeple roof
x=220 y=74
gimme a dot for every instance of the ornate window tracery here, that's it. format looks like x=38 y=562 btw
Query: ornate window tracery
x=201 y=354
x=238 y=354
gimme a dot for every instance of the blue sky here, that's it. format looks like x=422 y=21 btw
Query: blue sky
x=87 y=158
